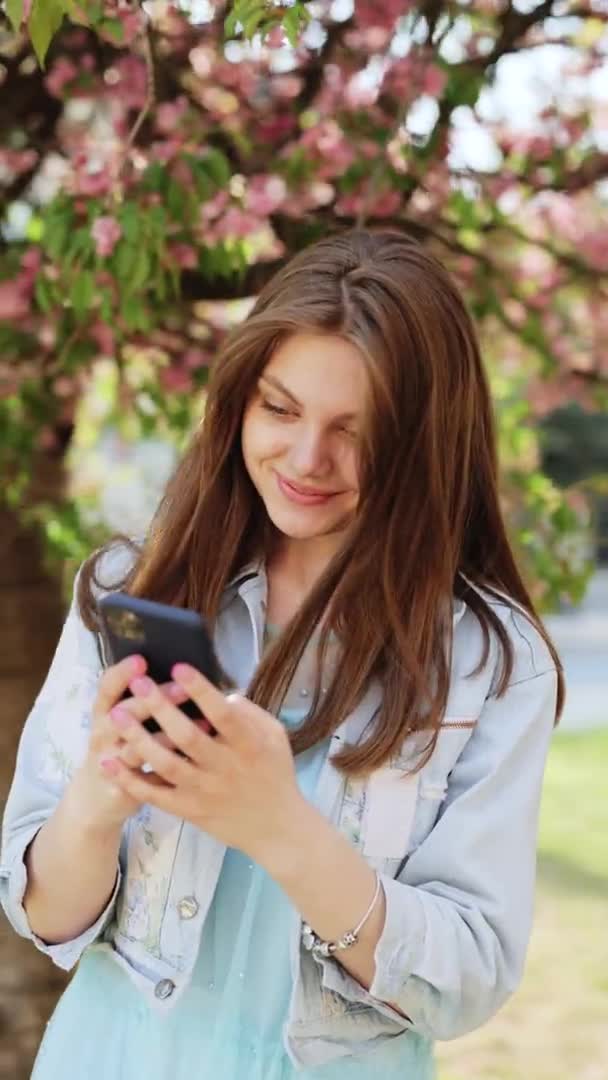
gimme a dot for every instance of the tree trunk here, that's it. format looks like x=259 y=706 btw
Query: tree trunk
x=31 y=615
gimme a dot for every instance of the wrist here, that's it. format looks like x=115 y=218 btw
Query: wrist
x=285 y=847
x=79 y=807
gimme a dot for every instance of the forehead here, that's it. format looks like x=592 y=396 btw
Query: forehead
x=321 y=371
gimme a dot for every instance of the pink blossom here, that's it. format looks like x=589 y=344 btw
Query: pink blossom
x=183 y=255
x=386 y=204
x=106 y=233
x=31 y=260
x=276 y=129
x=201 y=60
x=234 y=223
x=47 y=439
x=14 y=303
x=373 y=13
x=104 y=338
x=170 y=114
x=264 y=194
x=175 y=379
x=359 y=94
x=594 y=246
x=275 y=39
x=434 y=81
x=15 y=162
x=286 y=87
x=86 y=182
x=63 y=72
x=64 y=386
x=132 y=21
x=374 y=39
x=47 y=335
x=166 y=149
x=194 y=359
x=131 y=85
x=213 y=207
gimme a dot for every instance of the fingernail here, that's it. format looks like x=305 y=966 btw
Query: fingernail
x=142 y=686
x=122 y=718
x=182 y=672
x=109 y=765
x=175 y=691
x=138 y=665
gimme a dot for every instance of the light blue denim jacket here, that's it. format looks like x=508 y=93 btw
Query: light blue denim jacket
x=455 y=845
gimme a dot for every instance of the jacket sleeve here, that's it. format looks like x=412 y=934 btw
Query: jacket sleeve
x=459 y=916
x=53 y=743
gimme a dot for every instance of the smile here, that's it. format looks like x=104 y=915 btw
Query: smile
x=302 y=496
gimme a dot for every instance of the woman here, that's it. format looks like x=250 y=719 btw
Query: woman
x=336 y=517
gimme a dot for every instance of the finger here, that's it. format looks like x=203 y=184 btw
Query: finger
x=142 y=787
x=183 y=733
x=115 y=680
x=164 y=761
x=129 y=755
x=140 y=709
x=230 y=714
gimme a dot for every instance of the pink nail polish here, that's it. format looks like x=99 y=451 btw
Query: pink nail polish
x=182 y=673
x=142 y=686
x=122 y=718
x=109 y=765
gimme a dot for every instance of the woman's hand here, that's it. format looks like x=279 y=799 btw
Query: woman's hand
x=100 y=801
x=240 y=786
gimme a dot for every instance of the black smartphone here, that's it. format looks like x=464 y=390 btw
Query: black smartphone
x=165 y=635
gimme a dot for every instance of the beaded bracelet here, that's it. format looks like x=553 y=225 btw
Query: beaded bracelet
x=319 y=948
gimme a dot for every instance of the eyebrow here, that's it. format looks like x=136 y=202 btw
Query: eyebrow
x=273 y=381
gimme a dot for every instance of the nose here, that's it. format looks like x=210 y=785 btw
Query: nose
x=310 y=453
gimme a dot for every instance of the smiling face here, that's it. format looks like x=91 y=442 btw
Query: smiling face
x=300 y=435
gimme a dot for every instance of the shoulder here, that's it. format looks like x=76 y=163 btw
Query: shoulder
x=531 y=654
x=111 y=563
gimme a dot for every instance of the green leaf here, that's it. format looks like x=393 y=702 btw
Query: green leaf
x=113 y=28
x=14 y=10
x=141 y=270
x=124 y=261
x=34 y=229
x=45 y=19
x=130 y=218
x=154 y=177
x=81 y=293
x=293 y=21
x=252 y=23
x=44 y=293
x=230 y=24
x=217 y=167
x=175 y=199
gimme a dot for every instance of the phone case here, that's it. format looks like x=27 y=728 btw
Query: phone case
x=164 y=635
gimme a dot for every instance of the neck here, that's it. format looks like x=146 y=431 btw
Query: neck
x=293 y=569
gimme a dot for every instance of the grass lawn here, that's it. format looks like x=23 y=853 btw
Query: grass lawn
x=556 y=1026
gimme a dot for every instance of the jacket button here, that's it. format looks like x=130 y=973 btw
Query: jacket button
x=187 y=907
x=164 y=988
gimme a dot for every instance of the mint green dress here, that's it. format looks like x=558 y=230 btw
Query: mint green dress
x=228 y=1024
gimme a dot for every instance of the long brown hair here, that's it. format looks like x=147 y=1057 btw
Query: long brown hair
x=429 y=521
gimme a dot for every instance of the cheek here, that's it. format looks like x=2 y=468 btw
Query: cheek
x=258 y=440
x=349 y=467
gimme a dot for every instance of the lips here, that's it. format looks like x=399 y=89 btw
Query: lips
x=301 y=495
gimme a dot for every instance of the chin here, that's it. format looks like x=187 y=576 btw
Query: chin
x=300 y=526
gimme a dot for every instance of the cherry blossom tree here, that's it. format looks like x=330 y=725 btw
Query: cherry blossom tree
x=159 y=161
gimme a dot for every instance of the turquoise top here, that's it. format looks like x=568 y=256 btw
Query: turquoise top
x=229 y=1022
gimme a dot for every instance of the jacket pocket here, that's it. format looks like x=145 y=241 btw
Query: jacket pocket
x=434 y=776
x=151 y=847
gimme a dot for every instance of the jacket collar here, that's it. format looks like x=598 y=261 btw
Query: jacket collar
x=252 y=579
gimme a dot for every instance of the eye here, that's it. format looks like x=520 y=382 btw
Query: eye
x=276 y=409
